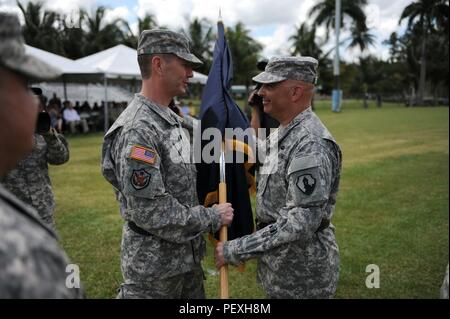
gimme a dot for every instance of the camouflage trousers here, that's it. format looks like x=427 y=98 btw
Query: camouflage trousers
x=184 y=286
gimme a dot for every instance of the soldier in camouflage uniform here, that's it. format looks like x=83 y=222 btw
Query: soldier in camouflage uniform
x=30 y=181
x=146 y=159
x=295 y=243
x=32 y=264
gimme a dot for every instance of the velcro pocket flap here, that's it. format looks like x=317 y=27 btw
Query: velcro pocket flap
x=302 y=163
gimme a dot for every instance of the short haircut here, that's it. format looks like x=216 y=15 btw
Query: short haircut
x=145 y=62
x=306 y=85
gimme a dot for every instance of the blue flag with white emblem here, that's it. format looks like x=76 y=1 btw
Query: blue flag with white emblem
x=219 y=110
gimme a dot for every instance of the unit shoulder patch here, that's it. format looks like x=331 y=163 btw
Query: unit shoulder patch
x=306 y=183
x=140 y=179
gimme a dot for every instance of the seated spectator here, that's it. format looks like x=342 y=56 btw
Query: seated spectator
x=55 y=100
x=85 y=107
x=72 y=118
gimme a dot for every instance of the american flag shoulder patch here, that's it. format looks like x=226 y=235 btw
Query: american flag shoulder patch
x=143 y=154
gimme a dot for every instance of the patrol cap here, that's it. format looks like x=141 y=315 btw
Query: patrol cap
x=166 y=41
x=12 y=51
x=294 y=68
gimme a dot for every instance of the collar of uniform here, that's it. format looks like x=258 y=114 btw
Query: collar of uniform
x=283 y=131
x=163 y=111
x=175 y=116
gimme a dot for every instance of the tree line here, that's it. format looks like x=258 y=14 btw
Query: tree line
x=417 y=66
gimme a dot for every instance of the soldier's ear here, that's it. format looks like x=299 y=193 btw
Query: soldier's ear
x=157 y=62
x=296 y=93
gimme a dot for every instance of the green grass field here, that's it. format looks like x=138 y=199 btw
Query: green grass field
x=392 y=207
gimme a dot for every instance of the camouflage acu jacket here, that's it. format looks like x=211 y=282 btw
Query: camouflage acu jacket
x=144 y=158
x=30 y=181
x=296 y=192
x=33 y=265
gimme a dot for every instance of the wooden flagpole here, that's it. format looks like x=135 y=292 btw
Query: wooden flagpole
x=224 y=229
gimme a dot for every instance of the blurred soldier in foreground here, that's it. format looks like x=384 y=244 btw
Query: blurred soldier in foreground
x=296 y=193
x=29 y=180
x=162 y=242
x=32 y=263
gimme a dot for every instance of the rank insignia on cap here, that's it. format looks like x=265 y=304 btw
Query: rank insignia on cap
x=143 y=154
x=306 y=183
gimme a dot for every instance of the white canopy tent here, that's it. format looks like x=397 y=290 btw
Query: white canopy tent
x=70 y=69
x=121 y=61
x=65 y=65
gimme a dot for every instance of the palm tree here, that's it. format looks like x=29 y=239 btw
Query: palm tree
x=361 y=38
x=146 y=23
x=101 y=35
x=245 y=52
x=352 y=9
x=73 y=37
x=427 y=15
x=304 y=42
x=438 y=64
x=201 y=35
x=395 y=48
x=41 y=29
x=403 y=57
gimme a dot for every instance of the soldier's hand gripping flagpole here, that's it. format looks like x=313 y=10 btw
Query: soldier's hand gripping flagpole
x=223 y=230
